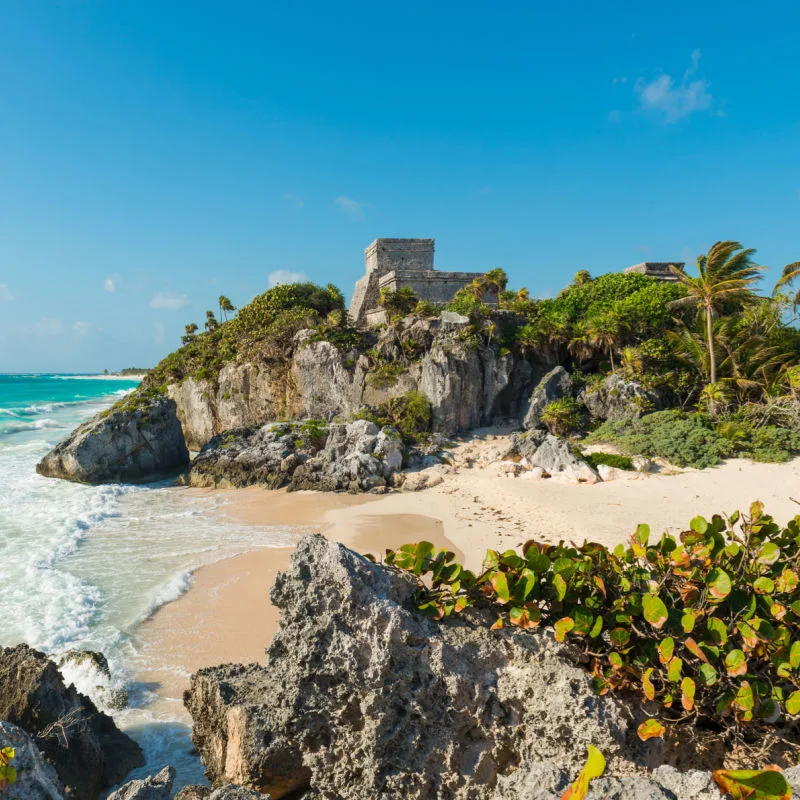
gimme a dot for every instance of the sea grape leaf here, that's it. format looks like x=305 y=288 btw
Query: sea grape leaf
x=674 y=670
x=666 y=647
x=655 y=612
x=595 y=766
x=736 y=663
x=687 y=694
x=764 y=585
x=620 y=637
x=769 y=554
x=793 y=703
x=500 y=585
x=765 y=784
x=719 y=583
x=647 y=684
x=651 y=729
x=563 y=627
x=707 y=674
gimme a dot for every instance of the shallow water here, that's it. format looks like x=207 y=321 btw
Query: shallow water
x=81 y=566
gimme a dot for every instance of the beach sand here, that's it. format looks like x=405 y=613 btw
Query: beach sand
x=226 y=615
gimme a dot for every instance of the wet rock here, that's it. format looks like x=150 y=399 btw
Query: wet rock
x=154 y=787
x=88 y=671
x=36 y=778
x=617 y=398
x=553 y=386
x=84 y=745
x=363 y=696
x=139 y=441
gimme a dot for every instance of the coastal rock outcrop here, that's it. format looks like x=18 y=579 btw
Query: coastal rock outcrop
x=153 y=787
x=140 y=439
x=363 y=696
x=84 y=745
x=553 y=386
x=617 y=398
x=88 y=671
x=552 y=455
x=356 y=456
x=36 y=779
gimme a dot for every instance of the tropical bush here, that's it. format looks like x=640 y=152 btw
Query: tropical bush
x=766 y=443
x=410 y=413
x=563 y=416
x=703 y=628
x=609 y=459
x=685 y=440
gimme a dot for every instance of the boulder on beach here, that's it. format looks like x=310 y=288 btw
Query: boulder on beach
x=556 y=385
x=36 y=779
x=617 y=398
x=84 y=745
x=363 y=696
x=139 y=439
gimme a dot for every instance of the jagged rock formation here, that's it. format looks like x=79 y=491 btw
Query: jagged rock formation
x=362 y=696
x=617 y=398
x=86 y=748
x=139 y=441
x=153 y=787
x=356 y=456
x=227 y=792
x=553 y=386
x=36 y=779
x=552 y=455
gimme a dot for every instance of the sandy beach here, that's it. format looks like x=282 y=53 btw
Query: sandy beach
x=226 y=615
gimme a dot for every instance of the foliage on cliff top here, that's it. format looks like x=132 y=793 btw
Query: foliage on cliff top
x=262 y=332
x=703 y=628
x=410 y=413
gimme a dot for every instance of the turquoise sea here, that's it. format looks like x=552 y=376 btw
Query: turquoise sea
x=82 y=566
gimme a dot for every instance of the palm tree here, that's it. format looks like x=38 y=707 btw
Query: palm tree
x=580 y=343
x=788 y=275
x=225 y=306
x=495 y=281
x=582 y=277
x=606 y=333
x=191 y=330
x=211 y=321
x=726 y=272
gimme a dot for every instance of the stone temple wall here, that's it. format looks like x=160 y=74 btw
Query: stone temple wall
x=436 y=287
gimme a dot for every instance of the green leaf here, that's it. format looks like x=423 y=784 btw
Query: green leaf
x=687 y=694
x=595 y=766
x=736 y=663
x=500 y=586
x=699 y=525
x=674 y=670
x=794 y=655
x=764 y=585
x=620 y=637
x=563 y=627
x=666 y=648
x=753 y=784
x=537 y=561
x=719 y=583
x=424 y=549
x=655 y=612
x=768 y=554
x=793 y=703
x=688 y=620
x=560 y=586
x=707 y=674
x=717 y=630
x=642 y=534
x=597 y=628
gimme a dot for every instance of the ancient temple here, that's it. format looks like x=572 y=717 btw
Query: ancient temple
x=660 y=270
x=394 y=264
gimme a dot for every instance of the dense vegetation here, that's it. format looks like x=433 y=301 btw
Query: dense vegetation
x=704 y=628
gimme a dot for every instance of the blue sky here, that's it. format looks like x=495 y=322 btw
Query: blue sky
x=156 y=154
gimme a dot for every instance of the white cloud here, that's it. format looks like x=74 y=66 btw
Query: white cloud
x=110 y=283
x=279 y=276
x=82 y=328
x=159 y=331
x=294 y=199
x=5 y=294
x=673 y=101
x=350 y=207
x=171 y=300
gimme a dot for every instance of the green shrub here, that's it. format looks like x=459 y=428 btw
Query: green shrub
x=767 y=443
x=705 y=628
x=563 y=416
x=609 y=459
x=313 y=433
x=685 y=440
x=385 y=374
x=425 y=308
x=409 y=413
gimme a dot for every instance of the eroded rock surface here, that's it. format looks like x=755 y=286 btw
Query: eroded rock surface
x=36 y=779
x=553 y=455
x=362 y=696
x=153 y=787
x=138 y=443
x=556 y=385
x=356 y=456
x=84 y=745
x=617 y=398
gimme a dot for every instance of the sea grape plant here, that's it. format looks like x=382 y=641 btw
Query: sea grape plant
x=704 y=628
x=8 y=774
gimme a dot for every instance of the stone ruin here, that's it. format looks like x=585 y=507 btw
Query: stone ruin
x=660 y=270
x=394 y=264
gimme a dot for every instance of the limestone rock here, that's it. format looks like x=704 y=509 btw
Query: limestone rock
x=617 y=398
x=642 y=464
x=36 y=778
x=422 y=479
x=227 y=792
x=363 y=696
x=138 y=444
x=87 y=749
x=609 y=473
x=553 y=386
x=193 y=791
x=88 y=671
x=153 y=787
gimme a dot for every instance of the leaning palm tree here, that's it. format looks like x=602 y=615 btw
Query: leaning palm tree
x=605 y=332
x=788 y=275
x=726 y=272
x=580 y=343
x=225 y=306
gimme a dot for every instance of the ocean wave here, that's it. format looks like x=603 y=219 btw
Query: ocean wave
x=175 y=587
x=37 y=425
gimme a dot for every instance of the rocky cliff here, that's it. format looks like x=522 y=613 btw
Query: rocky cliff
x=363 y=696
x=467 y=385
